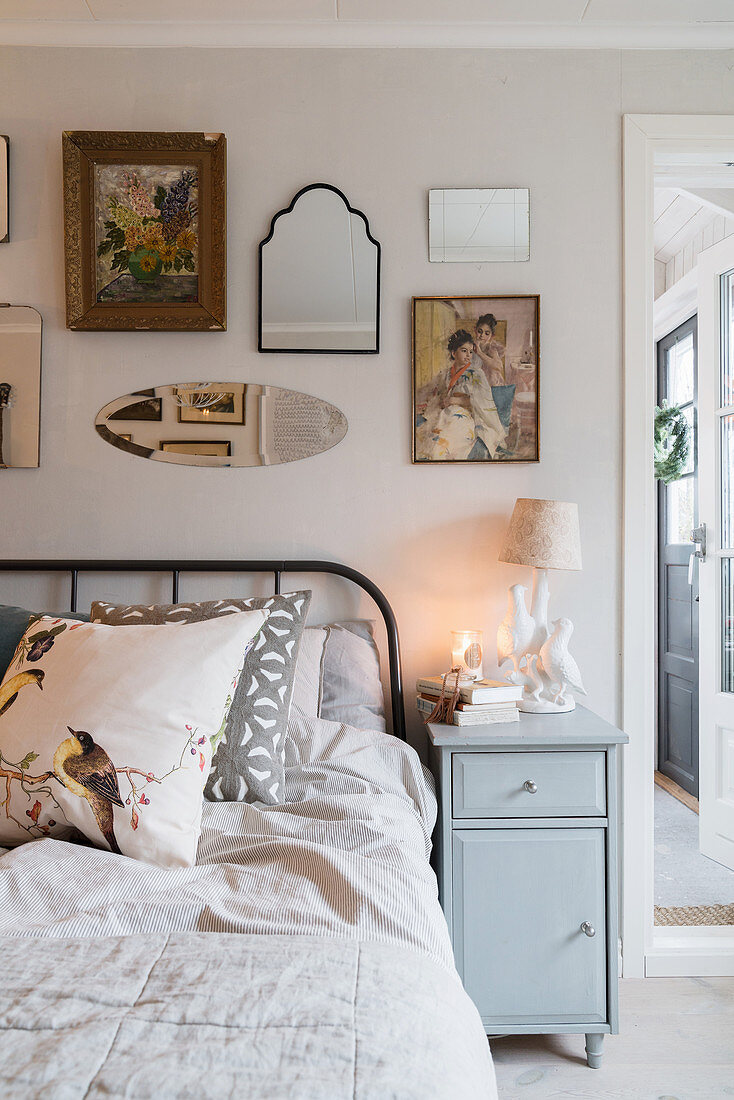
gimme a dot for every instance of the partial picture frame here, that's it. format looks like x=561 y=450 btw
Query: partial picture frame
x=220 y=448
x=145 y=230
x=225 y=406
x=476 y=362
x=4 y=188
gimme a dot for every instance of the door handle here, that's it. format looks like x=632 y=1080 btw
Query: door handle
x=698 y=538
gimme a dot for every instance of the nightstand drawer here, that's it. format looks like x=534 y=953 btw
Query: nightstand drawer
x=528 y=784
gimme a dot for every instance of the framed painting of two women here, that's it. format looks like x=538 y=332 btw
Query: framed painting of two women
x=475 y=379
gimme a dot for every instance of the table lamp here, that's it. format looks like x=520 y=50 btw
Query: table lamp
x=545 y=535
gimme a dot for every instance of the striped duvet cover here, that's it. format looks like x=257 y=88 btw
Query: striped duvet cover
x=340 y=940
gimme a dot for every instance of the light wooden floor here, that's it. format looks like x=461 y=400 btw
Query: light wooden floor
x=676 y=1042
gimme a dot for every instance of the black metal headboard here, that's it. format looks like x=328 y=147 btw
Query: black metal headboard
x=277 y=568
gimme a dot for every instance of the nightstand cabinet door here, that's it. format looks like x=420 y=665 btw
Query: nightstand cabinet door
x=520 y=899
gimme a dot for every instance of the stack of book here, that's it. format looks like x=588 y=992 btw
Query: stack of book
x=479 y=702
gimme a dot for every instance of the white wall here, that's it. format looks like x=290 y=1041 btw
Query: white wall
x=384 y=126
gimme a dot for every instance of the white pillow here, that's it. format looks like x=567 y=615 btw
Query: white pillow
x=310 y=670
x=116 y=742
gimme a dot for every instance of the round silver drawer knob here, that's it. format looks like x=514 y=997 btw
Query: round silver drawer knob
x=588 y=929
x=530 y=787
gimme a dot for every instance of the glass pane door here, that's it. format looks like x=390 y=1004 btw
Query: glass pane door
x=716 y=573
x=726 y=480
x=727 y=339
x=677 y=756
x=679 y=388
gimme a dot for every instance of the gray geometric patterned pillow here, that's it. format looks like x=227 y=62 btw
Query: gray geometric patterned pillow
x=249 y=752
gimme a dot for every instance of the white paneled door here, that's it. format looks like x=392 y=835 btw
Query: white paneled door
x=716 y=577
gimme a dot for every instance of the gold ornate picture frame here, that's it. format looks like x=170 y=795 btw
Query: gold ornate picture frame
x=218 y=448
x=145 y=231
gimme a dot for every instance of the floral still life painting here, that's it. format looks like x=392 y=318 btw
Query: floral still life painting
x=475 y=379
x=145 y=230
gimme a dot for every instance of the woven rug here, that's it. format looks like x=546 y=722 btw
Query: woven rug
x=690 y=915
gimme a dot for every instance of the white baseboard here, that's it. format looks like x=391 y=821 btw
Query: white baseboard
x=702 y=952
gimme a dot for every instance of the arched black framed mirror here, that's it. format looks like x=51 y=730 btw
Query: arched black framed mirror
x=319 y=284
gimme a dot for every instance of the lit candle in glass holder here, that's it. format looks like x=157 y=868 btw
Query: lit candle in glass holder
x=466 y=652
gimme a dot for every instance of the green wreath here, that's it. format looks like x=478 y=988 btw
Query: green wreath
x=672 y=442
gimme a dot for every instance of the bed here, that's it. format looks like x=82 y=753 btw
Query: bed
x=304 y=955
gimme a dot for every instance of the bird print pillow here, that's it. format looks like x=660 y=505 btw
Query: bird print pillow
x=109 y=731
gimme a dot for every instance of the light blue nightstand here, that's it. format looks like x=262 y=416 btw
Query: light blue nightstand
x=526 y=856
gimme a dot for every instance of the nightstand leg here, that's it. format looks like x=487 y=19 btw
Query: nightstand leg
x=594 y=1050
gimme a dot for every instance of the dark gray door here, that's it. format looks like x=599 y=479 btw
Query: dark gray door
x=678 y=599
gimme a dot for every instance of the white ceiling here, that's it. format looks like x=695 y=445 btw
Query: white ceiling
x=546 y=23
x=680 y=213
x=678 y=219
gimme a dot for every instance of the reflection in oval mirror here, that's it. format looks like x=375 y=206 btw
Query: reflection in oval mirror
x=20 y=385
x=319 y=277
x=221 y=424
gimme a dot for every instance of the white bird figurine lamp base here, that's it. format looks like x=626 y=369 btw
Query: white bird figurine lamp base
x=541 y=662
x=545 y=706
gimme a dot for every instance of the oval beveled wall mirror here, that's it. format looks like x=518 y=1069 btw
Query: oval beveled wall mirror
x=221 y=424
x=319 y=277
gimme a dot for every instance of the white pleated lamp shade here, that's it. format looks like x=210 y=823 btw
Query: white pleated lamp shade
x=543 y=534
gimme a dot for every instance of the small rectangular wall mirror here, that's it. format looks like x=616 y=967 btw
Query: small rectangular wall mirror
x=479 y=225
x=20 y=385
x=4 y=190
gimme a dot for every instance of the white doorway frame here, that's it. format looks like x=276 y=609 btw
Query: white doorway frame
x=647 y=950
